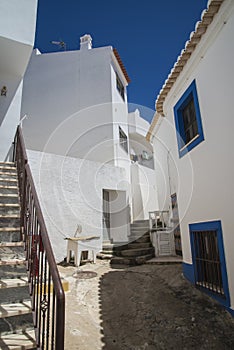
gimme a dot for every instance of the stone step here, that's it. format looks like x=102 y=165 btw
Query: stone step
x=12 y=262
x=9 y=220
x=9 y=208
x=142 y=239
x=130 y=261
x=147 y=233
x=104 y=255
x=136 y=245
x=10 y=234
x=11 y=252
x=6 y=189
x=16 y=323
x=7 y=164
x=9 y=198
x=11 y=244
x=138 y=232
x=8 y=169
x=117 y=260
x=8 y=175
x=143 y=221
x=137 y=252
x=13 y=282
x=120 y=247
x=107 y=247
x=19 y=341
x=13 y=271
x=8 y=182
x=140 y=223
x=14 y=309
x=14 y=294
x=139 y=228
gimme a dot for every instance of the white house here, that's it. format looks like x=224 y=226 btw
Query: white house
x=192 y=140
x=92 y=164
x=17 y=30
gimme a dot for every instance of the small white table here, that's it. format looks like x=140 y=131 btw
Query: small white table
x=80 y=244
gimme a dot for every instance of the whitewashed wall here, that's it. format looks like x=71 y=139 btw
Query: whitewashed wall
x=69 y=97
x=144 y=191
x=136 y=124
x=203 y=179
x=74 y=109
x=17 y=20
x=70 y=191
x=17 y=30
x=9 y=115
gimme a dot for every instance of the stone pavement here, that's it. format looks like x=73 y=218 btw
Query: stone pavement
x=147 y=307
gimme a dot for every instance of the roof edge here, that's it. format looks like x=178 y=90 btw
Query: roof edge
x=156 y=118
x=201 y=26
x=120 y=62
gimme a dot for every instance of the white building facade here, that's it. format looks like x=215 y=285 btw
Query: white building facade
x=192 y=139
x=81 y=140
x=17 y=30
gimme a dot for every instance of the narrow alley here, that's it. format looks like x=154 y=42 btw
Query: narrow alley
x=147 y=307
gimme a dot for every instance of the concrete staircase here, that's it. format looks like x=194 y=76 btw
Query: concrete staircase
x=138 y=250
x=16 y=322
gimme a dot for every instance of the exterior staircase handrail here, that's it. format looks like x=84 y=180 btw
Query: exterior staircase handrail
x=156 y=217
x=46 y=290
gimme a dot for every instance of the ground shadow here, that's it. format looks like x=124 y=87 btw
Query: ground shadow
x=152 y=307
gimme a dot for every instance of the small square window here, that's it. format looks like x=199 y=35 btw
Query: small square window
x=120 y=86
x=188 y=121
x=123 y=139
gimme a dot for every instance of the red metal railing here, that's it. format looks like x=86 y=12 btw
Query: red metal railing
x=48 y=299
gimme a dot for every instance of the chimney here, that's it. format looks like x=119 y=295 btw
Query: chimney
x=86 y=42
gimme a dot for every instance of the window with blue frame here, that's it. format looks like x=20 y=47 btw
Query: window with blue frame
x=209 y=259
x=188 y=121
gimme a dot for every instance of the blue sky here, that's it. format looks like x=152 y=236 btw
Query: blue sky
x=148 y=35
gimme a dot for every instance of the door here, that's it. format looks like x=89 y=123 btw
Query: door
x=106 y=215
x=176 y=225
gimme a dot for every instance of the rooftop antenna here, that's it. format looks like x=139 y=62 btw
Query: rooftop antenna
x=60 y=43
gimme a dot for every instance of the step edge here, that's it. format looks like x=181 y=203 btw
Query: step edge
x=26 y=309
x=11 y=195
x=10 y=179
x=11 y=244
x=6 y=229
x=14 y=282
x=28 y=341
x=8 y=168
x=137 y=249
x=8 y=186
x=8 y=173
x=13 y=262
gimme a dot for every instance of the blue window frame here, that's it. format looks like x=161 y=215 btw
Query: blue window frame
x=208 y=257
x=188 y=121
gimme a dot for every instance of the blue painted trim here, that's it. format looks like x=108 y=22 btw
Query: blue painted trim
x=188 y=272
x=190 y=93
x=230 y=310
x=209 y=226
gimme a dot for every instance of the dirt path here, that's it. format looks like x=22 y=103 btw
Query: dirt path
x=148 y=307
